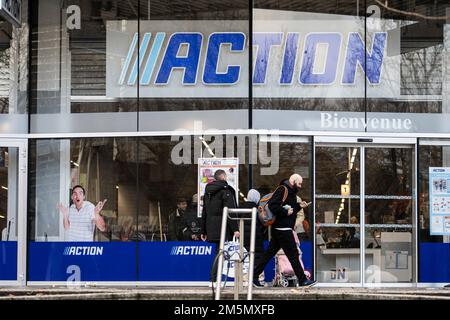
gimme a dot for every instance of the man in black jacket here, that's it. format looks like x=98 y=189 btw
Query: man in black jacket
x=177 y=221
x=218 y=194
x=282 y=229
x=192 y=227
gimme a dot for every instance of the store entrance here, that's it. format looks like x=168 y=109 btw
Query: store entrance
x=364 y=193
x=13 y=162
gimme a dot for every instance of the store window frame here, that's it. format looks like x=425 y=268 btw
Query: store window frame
x=443 y=141
x=22 y=198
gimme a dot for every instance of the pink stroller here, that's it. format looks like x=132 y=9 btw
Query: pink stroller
x=284 y=274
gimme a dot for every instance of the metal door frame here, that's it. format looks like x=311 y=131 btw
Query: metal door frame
x=363 y=143
x=22 y=146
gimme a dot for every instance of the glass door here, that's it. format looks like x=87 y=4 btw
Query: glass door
x=337 y=214
x=389 y=211
x=12 y=212
x=364 y=211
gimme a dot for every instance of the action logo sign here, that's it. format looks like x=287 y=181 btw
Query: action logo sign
x=305 y=55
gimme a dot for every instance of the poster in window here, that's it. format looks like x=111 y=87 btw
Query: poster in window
x=439 y=191
x=206 y=169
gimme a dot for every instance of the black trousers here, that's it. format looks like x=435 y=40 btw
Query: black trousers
x=282 y=239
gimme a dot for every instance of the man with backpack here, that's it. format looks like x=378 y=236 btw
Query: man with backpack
x=218 y=194
x=284 y=206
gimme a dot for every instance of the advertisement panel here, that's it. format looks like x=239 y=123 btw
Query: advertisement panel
x=71 y=262
x=82 y=261
x=439 y=190
x=175 y=261
x=206 y=169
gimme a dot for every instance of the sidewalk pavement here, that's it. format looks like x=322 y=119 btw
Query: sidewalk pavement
x=202 y=293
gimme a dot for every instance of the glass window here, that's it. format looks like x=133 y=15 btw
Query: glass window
x=415 y=65
x=93 y=197
x=195 y=63
x=83 y=209
x=168 y=186
x=96 y=59
x=276 y=159
x=169 y=216
x=105 y=168
x=434 y=247
x=168 y=180
x=304 y=56
x=14 y=75
x=9 y=201
x=72 y=48
x=383 y=64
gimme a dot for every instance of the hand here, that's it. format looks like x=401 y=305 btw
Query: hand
x=62 y=208
x=203 y=237
x=290 y=211
x=304 y=204
x=237 y=234
x=99 y=206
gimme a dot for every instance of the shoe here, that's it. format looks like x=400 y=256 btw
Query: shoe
x=257 y=284
x=307 y=283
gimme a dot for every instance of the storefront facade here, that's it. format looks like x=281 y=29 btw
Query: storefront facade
x=124 y=97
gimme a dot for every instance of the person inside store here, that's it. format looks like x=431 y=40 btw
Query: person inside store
x=285 y=208
x=126 y=227
x=82 y=217
x=192 y=223
x=320 y=240
x=374 y=239
x=354 y=231
x=401 y=213
x=301 y=223
x=350 y=237
x=392 y=212
x=376 y=212
x=218 y=194
x=177 y=221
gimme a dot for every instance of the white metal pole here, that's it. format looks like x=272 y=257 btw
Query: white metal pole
x=239 y=275
x=252 y=254
x=221 y=245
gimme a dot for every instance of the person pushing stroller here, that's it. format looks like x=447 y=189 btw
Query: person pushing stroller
x=282 y=229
